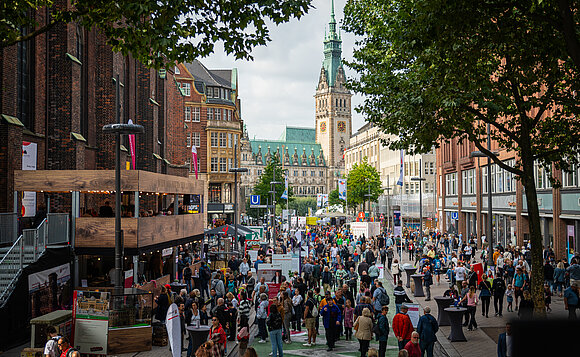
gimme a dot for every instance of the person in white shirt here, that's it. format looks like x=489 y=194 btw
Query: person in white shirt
x=244 y=269
x=51 y=347
x=460 y=273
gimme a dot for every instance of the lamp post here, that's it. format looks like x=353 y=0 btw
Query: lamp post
x=273 y=193
x=119 y=129
x=489 y=200
x=235 y=170
x=368 y=195
x=388 y=206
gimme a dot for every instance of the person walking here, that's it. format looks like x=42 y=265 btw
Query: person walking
x=261 y=315
x=485 y=295
x=427 y=281
x=396 y=271
x=217 y=338
x=471 y=298
x=287 y=304
x=571 y=300
x=400 y=296
x=310 y=316
x=383 y=328
x=402 y=327
x=331 y=318
x=427 y=327
x=274 y=324
x=498 y=290
x=364 y=330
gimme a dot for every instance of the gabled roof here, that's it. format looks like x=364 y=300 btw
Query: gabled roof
x=220 y=78
x=298 y=135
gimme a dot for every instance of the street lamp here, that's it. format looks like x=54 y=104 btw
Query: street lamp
x=420 y=179
x=388 y=206
x=235 y=170
x=273 y=193
x=479 y=154
x=119 y=129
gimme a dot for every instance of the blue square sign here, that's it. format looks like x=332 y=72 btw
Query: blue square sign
x=255 y=199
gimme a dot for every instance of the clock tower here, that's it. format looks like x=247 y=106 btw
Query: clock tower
x=333 y=105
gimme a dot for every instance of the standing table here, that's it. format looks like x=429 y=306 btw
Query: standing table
x=443 y=302
x=198 y=336
x=456 y=318
x=410 y=271
x=418 y=280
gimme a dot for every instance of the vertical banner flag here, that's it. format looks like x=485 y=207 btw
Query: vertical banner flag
x=132 y=146
x=400 y=182
x=319 y=200
x=397 y=229
x=194 y=159
x=29 y=156
x=173 y=326
x=342 y=189
x=285 y=194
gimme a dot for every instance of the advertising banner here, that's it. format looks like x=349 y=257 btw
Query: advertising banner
x=397 y=223
x=285 y=262
x=414 y=313
x=342 y=189
x=174 y=330
x=29 y=155
x=91 y=321
x=47 y=289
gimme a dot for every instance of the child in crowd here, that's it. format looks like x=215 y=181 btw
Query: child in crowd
x=348 y=320
x=547 y=297
x=509 y=293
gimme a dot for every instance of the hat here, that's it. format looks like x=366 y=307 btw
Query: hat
x=167 y=286
x=404 y=306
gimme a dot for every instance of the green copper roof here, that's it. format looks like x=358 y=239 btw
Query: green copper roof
x=298 y=135
x=332 y=50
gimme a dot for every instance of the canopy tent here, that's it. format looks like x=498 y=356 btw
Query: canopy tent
x=333 y=214
x=229 y=229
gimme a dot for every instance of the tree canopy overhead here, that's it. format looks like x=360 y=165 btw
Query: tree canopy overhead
x=157 y=32
x=433 y=70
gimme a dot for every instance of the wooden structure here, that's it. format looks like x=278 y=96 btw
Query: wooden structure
x=140 y=233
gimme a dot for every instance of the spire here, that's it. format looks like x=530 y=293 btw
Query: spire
x=332 y=49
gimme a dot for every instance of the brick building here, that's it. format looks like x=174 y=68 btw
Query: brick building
x=213 y=124
x=462 y=199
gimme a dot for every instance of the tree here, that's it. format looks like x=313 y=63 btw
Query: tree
x=301 y=204
x=157 y=32
x=435 y=70
x=334 y=200
x=263 y=186
x=362 y=180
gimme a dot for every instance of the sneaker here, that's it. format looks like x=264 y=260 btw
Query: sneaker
x=271 y=354
x=262 y=341
x=328 y=349
x=313 y=344
x=307 y=344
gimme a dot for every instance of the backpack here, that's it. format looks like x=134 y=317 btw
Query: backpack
x=205 y=273
x=314 y=308
x=70 y=351
x=383 y=297
x=187 y=273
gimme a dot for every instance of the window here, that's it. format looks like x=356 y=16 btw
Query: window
x=214 y=140
x=229 y=140
x=216 y=92
x=295 y=172
x=25 y=65
x=406 y=189
x=312 y=174
x=484 y=179
x=187 y=113
x=230 y=164
x=236 y=140
x=195 y=139
x=209 y=113
x=541 y=174
x=451 y=184
x=188 y=140
x=223 y=164
x=570 y=178
x=215 y=192
x=186 y=89
x=195 y=114
x=214 y=164
x=303 y=173
x=259 y=172
x=321 y=173
x=209 y=92
x=432 y=168
x=223 y=140
x=468 y=177
x=218 y=113
x=177 y=71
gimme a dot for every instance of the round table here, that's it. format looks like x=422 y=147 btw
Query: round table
x=198 y=336
x=410 y=271
x=418 y=280
x=443 y=302
x=176 y=287
x=456 y=319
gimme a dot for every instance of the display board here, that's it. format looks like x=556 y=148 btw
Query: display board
x=91 y=321
x=414 y=313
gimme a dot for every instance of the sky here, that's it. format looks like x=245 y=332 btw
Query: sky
x=278 y=86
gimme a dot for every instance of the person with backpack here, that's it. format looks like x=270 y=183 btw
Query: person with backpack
x=380 y=297
x=310 y=317
x=382 y=330
x=217 y=284
x=427 y=327
x=51 y=348
x=274 y=324
x=187 y=273
x=67 y=351
x=204 y=278
x=498 y=289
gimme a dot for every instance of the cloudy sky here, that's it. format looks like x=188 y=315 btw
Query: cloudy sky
x=277 y=88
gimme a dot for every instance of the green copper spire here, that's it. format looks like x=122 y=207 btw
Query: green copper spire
x=332 y=49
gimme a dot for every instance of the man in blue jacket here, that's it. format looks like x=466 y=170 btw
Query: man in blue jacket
x=427 y=327
x=383 y=322
x=331 y=318
x=504 y=343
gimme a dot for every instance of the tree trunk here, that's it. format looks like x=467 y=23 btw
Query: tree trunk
x=537 y=273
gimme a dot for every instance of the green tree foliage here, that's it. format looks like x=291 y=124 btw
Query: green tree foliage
x=334 y=200
x=362 y=178
x=157 y=32
x=301 y=205
x=433 y=70
x=263 y=186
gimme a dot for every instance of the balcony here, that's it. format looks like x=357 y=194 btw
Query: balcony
x=224 y=124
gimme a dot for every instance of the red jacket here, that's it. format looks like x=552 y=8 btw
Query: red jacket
x=402 y=326
x=413 y=349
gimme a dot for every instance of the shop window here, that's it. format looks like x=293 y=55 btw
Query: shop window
x=215 y=191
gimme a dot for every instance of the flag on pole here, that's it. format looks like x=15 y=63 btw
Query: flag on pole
x=132 y=146
x=194 y=159
x=400 y=182
x=285 y=194
x=342 y=189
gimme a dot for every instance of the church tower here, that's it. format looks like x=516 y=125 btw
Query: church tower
x=333 y=105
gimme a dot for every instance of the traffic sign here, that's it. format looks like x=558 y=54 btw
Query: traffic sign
x=261 y=206
x=454 y=215
x=254 y=199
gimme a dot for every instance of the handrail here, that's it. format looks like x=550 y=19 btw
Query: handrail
x=11 y=248
x=8 y=289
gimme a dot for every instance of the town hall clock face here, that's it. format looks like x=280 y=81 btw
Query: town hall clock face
x=341 y=126
x=323 y=126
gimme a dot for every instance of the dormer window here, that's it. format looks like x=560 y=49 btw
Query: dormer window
x=177 y=71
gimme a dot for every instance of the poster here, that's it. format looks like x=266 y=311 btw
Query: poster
x=270 y=272
x=48 y=290
x=29 y=155
x=301 y=222
x=174 y=330
x=91 y=321
x=570 y=242
x=285 y=262
x=251 y=247
x=397 y=224
x=414 y=313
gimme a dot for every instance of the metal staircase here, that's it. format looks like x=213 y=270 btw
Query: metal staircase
x=24 y=251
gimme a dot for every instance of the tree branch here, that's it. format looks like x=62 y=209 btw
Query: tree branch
x=30 y=35
x=543 y=108
x=491 y=155
x=496 y=125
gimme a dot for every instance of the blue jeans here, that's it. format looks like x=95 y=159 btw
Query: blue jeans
x=276 y=341
x=262 y=333
x=398 y=308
